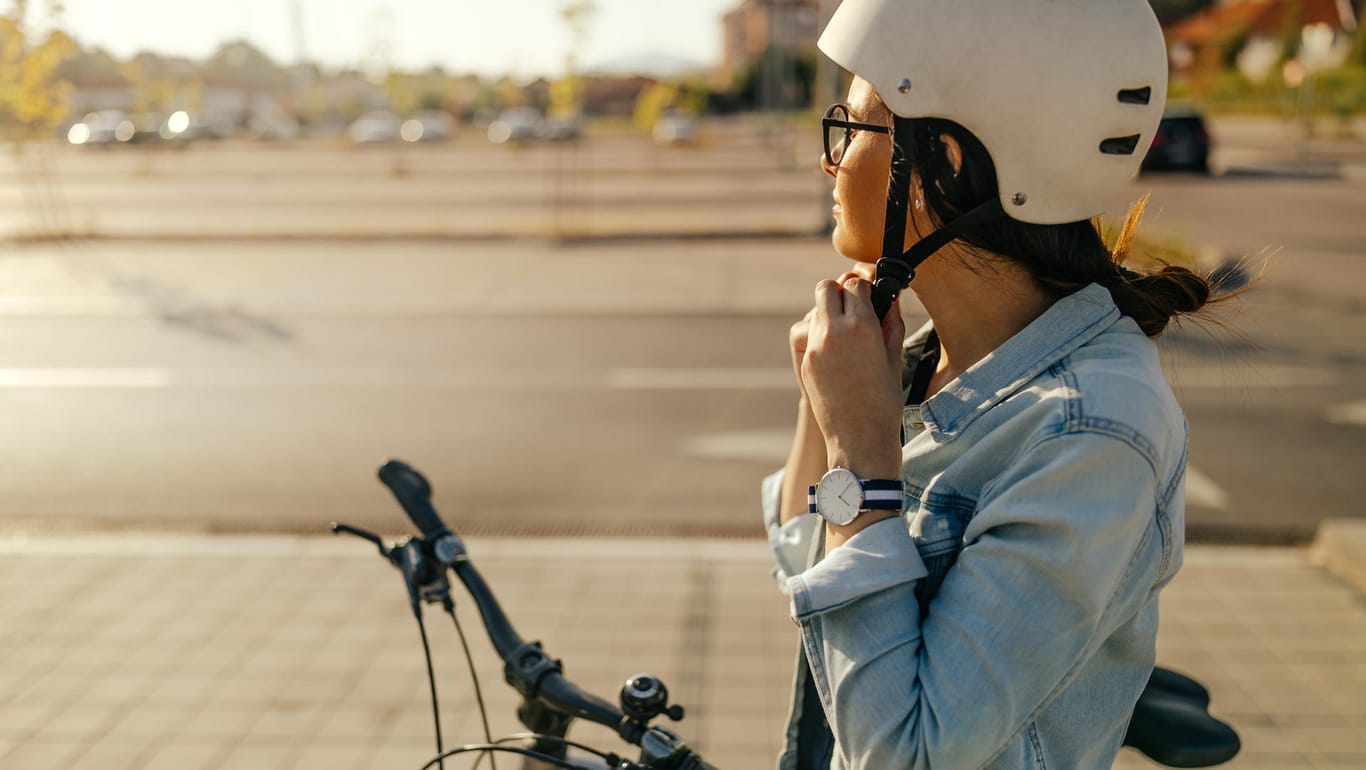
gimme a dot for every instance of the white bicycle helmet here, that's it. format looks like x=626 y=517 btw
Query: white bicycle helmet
x=1065 y=95
x=1044 y=84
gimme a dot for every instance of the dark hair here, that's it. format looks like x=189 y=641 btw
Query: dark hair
x=1061 y=258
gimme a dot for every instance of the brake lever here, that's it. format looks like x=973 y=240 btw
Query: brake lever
x=424 y=582
x=363 y=534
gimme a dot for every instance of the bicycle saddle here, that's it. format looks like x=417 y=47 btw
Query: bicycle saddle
x=1172 y=724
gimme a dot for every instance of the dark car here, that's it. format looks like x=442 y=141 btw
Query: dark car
x=1182 y=143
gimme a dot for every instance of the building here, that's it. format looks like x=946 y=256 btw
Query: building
x=1254 y=33
x=756 y=25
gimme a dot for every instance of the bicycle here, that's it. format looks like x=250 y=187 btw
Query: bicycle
x=1171 y=722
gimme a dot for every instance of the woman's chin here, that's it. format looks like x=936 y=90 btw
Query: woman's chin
x=852 y=248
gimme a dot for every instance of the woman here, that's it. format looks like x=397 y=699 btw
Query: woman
x=973 y=526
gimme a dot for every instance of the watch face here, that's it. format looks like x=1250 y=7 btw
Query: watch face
x=839 y=496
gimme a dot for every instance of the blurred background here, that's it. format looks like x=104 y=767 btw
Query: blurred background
x=549 y=251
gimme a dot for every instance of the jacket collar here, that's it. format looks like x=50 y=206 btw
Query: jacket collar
x=1067 y=325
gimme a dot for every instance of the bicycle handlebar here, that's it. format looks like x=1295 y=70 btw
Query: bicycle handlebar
x=526 y=667
x=415 y=495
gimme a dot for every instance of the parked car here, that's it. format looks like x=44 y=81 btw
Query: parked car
x=559 y=130
x=98 y=128
x=272 y=128
x=182 y=126
x=1182 y=142
x=430 y=126
x=375 y=127
x=144 y=128
x=515 y=125
x=675 y=129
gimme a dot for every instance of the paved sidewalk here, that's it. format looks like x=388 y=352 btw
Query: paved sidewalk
x=216 y=653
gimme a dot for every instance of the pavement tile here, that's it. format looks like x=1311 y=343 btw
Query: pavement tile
x=149 y=721
x=220 y=722
x=332 y=758
x=106 y=754
x=116 y=688
x=256 y=756
x=224 y=667
x=283 y=718
x=185 y=756
x=1329 y=739
x=24 y=717
x=39 y=754
x=79 y=719
x=184 y=685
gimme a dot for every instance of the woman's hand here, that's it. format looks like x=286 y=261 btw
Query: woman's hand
x=800 y=332
x=850 y=370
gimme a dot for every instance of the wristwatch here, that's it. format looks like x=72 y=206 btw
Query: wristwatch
x=841 y=496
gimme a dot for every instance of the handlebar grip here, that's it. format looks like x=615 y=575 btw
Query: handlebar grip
x=415 y=495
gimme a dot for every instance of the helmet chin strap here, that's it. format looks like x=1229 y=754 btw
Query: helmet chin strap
x=896 y=268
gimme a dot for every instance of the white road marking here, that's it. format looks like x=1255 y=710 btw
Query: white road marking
x=759 y=445
x=84 y=378
x=1348 y=414
x=702 y=379
x=1240 y=376
x=1202 y=491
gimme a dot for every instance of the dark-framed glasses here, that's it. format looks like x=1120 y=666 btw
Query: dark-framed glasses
x=839 y=131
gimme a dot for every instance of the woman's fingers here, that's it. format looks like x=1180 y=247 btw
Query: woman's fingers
x=858 y=299
x=799 y=332
x=894 y=334
x=829 y=301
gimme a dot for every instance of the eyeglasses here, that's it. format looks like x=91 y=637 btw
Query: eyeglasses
x=839 y=131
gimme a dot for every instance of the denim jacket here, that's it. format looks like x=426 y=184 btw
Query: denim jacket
x=1009 y=619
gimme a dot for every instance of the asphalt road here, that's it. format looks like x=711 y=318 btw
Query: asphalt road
x=606 y=386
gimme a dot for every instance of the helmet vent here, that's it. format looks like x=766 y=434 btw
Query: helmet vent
x=1136 y=95
x=1120 y=145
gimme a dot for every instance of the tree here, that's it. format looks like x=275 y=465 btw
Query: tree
x=32 y=96
x=567 y=95
x=155 y=81
x=1359 y=39
x=1169 y=11
x=239 y=64
x=32 y=103
x=781 y=79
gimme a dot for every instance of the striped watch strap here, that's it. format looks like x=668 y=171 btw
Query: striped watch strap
x=878 y=495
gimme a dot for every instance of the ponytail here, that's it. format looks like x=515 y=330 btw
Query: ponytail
x=1062 y=258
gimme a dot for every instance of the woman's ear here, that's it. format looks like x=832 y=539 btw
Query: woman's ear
x=955 y=152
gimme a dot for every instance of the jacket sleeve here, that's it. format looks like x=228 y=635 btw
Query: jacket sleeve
x=792 y=542
x=1045 y=557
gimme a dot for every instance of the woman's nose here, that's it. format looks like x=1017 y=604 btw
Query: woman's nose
x=826 y=167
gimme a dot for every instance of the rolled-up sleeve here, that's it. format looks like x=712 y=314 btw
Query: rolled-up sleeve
x=881 y=557
x=1047 y=556
x=792 y=542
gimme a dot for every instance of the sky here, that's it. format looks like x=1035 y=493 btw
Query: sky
x=524 y=38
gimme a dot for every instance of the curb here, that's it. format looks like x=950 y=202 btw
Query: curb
x=1340 y=549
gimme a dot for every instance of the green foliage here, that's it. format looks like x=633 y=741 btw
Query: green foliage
x=652 y=104
x=1358 y=55
x=32 y=96
x=780 y=79
x=1172 y=10
x=1292 y=34
x=688 y=98
x=1342 y=91
x=566 y=98
x=414 y=92
x=1230 y=45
